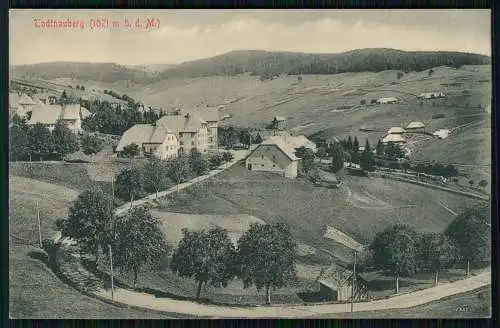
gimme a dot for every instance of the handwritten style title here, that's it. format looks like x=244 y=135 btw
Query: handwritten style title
x=97 y=23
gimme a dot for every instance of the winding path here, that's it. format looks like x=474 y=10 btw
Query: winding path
x=147 y=301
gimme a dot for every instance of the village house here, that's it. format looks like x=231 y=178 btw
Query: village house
x=171 y=135
x=48 y=115
x=442 y=133
x=415 y=126
x=395 y=138
x=277 y=154
x=20 y=104
x=388 y=100
x=274 y=155
x=431 y=95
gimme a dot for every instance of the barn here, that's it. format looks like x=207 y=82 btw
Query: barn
x=387 y=100
x=274 y=155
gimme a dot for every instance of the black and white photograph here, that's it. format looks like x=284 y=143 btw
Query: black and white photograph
x=213 y=164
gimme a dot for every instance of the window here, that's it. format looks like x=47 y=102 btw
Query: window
x=262 y=165
x=192 y=143
x=181 y=142
x=193 y=134
x=268 y=149
x=180 y=134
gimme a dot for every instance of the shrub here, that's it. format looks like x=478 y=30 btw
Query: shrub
x=227 y=156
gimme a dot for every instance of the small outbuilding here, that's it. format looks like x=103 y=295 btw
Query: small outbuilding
x=396 y=130
x=387 y=100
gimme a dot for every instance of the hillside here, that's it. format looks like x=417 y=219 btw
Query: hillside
x=362 y=60
x=105 y=72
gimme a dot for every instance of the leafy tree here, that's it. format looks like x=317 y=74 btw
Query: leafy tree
x=206 y=256
x=349 y=144
x=198 y=163
x=299 y=78
x=436 y=252
x=155 y=175
x=19 y=147
x=64 y=99
x=471 y=233
x=65 y=141
x=266 y=257
x=258 y=139
x=89 y=221
x=129 y=184
x=355 y=144
x=227 y=156
x=322 y=153
x=178 y=169
x=139 y=242
x=131 y=150
x=367 y=161
x=362 y=102
x=40 y=140
x=91 y=144
x=482 y=183
x=400 y=75
x=215 y=160
x=394 y=250
x=306 y=156
x=431 y=71
x=337 y=157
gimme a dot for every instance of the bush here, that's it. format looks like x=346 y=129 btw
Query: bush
x=227 y=156
x=215 y=161
x=436 y=116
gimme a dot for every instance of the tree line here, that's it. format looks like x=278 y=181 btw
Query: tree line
x=116 y=120
x=37 y=141
x=264 y=255
x=158 y=175
x=401 y=251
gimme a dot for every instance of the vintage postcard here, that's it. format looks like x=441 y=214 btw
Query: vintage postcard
x=250 y=164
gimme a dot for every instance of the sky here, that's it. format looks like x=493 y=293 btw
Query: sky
x=183 y=35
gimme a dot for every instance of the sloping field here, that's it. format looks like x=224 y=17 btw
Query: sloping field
x=173 y=223
x=34 y=290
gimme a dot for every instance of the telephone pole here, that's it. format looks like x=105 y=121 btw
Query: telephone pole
x=39 y=225
x=112 y=282
x=353 y=282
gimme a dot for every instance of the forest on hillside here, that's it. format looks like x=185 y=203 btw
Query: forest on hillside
x=269 y=64
x=259 y=63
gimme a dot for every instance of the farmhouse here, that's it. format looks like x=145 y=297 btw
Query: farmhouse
x=170 y=135
x=274 y=155
x=415 y=126
x=154 y=140
x=396 y=130
x=48 y=115
x=388 y=100
x=396 y=138
x=442 y=134
x=431 y=95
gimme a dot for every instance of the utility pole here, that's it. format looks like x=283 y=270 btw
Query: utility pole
x=353 y=282
x=39 y=225
x=112 y=282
